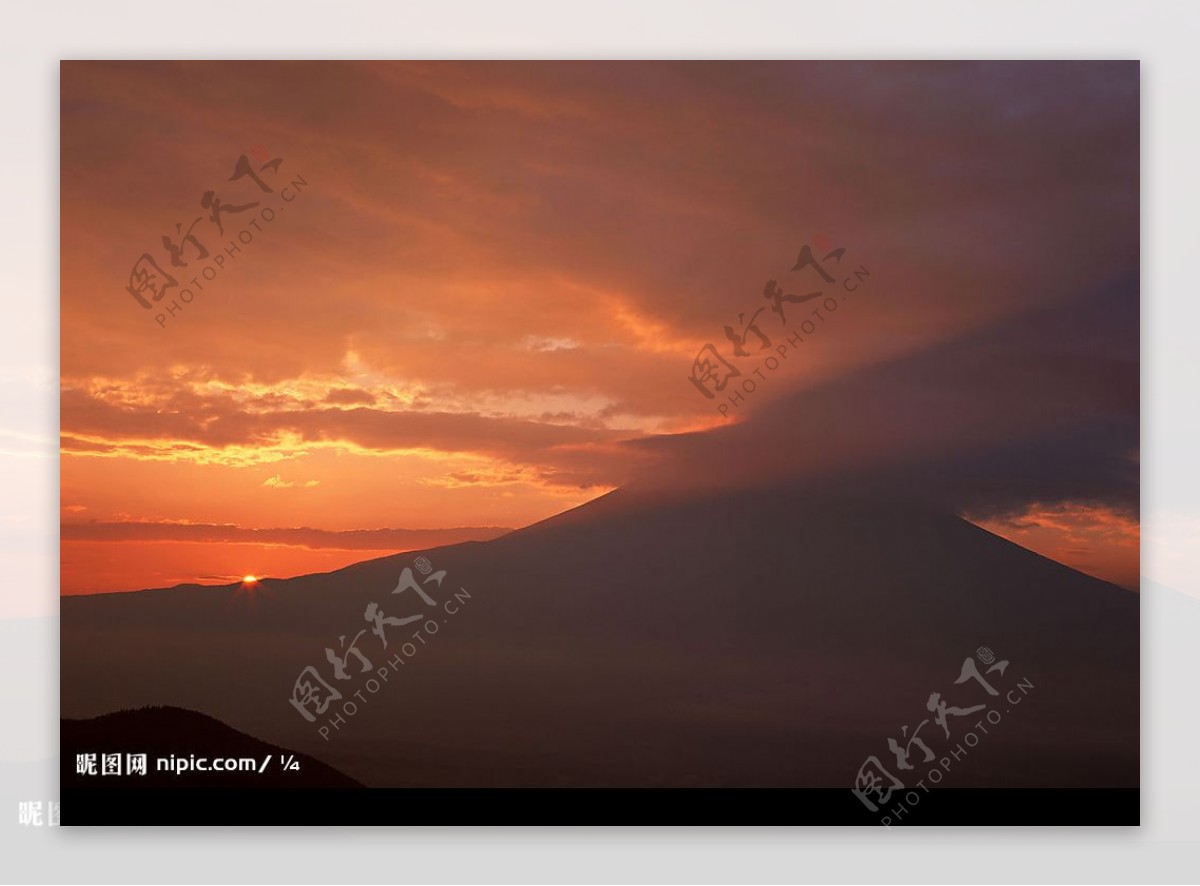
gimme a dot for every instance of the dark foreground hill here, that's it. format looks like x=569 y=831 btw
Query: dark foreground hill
x=186 y=741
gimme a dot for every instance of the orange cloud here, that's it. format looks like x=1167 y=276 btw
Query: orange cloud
x=1098 y=540
x=485 y=302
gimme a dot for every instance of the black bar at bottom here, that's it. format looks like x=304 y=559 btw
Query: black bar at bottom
x=596 y=806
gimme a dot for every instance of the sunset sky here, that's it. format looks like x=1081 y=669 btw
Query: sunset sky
x=481 y=303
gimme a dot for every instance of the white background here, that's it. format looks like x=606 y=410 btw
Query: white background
x=1164 y=36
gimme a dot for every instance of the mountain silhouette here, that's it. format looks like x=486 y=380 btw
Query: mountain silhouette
x=759 y=638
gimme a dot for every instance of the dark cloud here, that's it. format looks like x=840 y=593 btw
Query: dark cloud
x=1042 y=407
x=350 y=396
x=355 y=539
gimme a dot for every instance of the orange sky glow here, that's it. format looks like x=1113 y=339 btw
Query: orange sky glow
x=489 y=291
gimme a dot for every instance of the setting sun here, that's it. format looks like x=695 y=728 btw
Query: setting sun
x=249 y=580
